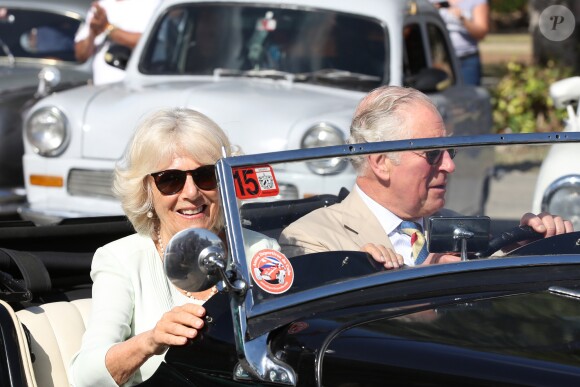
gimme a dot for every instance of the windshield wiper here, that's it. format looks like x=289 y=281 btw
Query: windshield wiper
x=338 y=75
x=7 y=52
x=264 y=73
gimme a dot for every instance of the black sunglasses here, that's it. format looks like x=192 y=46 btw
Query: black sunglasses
x=434 y=156
x=171 y=181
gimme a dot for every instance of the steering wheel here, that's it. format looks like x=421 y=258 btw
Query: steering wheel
x=506 y=238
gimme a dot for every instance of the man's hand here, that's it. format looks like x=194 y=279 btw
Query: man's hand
x=385 y=256
x=435 y=258
x=547 y=224
x=99 y=20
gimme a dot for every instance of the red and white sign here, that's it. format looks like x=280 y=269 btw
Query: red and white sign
x=272 y=271
x=255 y=182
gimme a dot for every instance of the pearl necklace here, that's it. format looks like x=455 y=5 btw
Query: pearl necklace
x=160 y=242
x=213 y=290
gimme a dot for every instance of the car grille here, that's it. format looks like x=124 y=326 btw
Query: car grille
x=84 y=182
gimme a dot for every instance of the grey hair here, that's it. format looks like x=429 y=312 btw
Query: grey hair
x=378 y=118
x=158 y=138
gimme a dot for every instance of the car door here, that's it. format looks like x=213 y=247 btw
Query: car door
x=466 y=110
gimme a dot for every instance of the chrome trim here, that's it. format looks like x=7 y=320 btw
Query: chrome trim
x=561 y=182
x=564 y=291
x=314 y=165
x=66 y=136
x=90 y=183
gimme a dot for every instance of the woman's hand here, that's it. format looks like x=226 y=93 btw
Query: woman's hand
x=177 y=326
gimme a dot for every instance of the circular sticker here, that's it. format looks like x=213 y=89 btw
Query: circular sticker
x=272 y=271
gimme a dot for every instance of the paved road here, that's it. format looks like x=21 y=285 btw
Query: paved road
x=510 y=197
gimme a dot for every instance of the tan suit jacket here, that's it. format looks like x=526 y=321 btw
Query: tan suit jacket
x=347 y=225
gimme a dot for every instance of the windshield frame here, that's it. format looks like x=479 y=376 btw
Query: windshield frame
x=239 y=261
x=253 y=320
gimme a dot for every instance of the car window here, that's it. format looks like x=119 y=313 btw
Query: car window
x=414 y=58
x=440 y=53
x=201 y=39
x=37 y=34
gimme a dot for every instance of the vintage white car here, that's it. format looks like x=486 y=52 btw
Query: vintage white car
x=558 y=185
x=275 y=75
x=36 y=58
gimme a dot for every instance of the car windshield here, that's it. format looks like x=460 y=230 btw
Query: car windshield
x=313 y=45
x=278 y=279
x=37 y=34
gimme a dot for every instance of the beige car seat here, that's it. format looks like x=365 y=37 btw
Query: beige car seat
x=56 y=331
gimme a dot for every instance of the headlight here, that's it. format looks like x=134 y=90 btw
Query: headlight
x=562 y=198
x=47 y=131
x=324 y=134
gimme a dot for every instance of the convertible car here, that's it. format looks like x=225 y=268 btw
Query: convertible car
x=326 y=319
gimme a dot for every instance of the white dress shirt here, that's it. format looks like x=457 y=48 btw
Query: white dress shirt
x=390 y=222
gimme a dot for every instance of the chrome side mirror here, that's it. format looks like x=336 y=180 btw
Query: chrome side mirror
x=193 y=259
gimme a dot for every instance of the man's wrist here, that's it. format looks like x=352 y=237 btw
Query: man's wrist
x=109 y=28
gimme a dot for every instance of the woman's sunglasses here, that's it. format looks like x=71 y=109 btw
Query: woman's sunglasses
x=171 y=181
x=434 y=156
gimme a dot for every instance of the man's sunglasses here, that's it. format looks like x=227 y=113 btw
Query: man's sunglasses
x=434 y=156
x=171 y=181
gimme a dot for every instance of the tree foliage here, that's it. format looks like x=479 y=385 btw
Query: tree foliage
x=502 y=6
x=521 y=101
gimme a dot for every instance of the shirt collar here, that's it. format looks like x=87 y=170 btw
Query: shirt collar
x=386 y=218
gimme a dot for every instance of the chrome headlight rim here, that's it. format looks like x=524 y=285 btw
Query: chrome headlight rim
x=568 y=182
x=336 y=137
x=33 y=134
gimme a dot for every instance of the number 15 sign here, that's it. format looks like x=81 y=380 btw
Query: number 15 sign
x=255 y=182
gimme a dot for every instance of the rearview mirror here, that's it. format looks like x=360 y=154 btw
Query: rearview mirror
x=451 y=234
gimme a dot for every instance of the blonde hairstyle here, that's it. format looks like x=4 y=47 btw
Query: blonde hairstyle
x=380 y=117
x=158 y=138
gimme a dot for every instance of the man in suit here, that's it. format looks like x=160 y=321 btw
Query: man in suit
x=392 y=189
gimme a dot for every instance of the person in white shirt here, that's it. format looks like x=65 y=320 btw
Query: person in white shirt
x=109 y=22
x=166 y=183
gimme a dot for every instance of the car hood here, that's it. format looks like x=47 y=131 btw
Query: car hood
x=18 y=78
x=21 y=77
x=258 y=115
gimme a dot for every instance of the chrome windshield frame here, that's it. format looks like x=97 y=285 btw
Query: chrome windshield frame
x=262 y=364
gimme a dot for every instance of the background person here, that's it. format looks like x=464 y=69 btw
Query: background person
x=391 y=188
x=468 y=23
x=166 y=183
x=111 y=21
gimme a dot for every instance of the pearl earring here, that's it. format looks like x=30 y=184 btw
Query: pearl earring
x=150 y=214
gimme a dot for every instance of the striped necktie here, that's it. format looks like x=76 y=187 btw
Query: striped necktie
x=418 y=246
